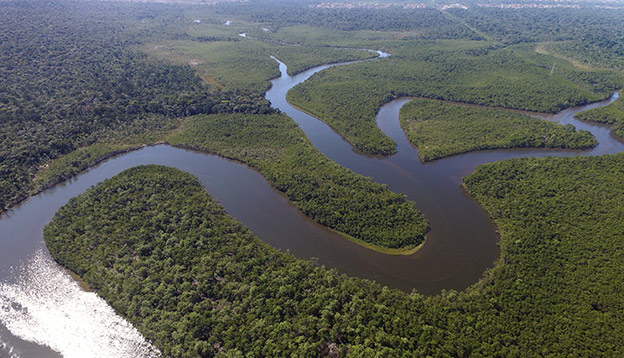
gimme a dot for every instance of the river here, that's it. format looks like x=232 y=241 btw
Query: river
x=43 y=311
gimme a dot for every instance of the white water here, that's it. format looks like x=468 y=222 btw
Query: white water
x=46 y=306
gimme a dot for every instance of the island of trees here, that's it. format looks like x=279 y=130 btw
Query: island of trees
x=196 y=282
x=82 y=81
x=440 y=129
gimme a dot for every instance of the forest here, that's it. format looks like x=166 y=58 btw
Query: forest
x=83 y=81
x=70 y=82
x=473 y=72
x=198 y=283
x=543 y=25
x=612 y=114
x=247 y=64
x=440 y=129
x=427 y=23
x=330 y=194
x=80 y=77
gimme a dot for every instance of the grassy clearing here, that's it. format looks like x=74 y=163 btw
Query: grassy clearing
x=246 y=64
x=234 y=65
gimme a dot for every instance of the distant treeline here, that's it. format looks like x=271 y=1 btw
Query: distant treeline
x=512 y=26
x=424 y=23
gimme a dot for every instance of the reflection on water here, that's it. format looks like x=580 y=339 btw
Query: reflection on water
x=46 y=306
x=40 y=303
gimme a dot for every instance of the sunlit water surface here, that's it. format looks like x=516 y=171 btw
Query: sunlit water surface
x=45 y=313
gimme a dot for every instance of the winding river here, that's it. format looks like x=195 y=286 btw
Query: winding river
x=43 y=311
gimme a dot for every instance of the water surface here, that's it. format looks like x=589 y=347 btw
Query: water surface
x=39 y=302
x=462 y=242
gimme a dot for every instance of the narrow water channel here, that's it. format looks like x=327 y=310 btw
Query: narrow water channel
x=462 y=242
x=43 y=311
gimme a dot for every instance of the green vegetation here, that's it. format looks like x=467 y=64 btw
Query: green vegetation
x=165 y=256
x=347 y=97
x=75 y=75
x=611 y=114
x=587 y=54
x=419 y=23
x=70 y=80
x=365 y=211
x=106 y=99
x=562 y=249
x=234 y=65
x=306 y=35
x=323 y=190
x=211 y=30
x=537 y=25
x=299 y=59
x=68 y=165
x=197 y=283
x=247 y=64
x=588 y=38
x=76 y=87
x=440 y=129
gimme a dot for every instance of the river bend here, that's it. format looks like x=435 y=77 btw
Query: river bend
x=37 y=296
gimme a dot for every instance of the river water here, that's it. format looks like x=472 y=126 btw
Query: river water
x=462 y=242
x=43 y=311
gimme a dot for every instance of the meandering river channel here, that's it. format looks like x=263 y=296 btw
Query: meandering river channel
x=43 y=311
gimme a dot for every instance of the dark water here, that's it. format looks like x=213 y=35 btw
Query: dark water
x=461 y=244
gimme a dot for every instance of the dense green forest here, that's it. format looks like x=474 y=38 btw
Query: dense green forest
x=76 y=81
x=511 y=26
x=325 y=191
x=420 y=23
x=476 y=72
x=84 y=80
x=197 y=283
x=611 y=114
x=71 y=79
x=441 y=129
x=590 y=53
